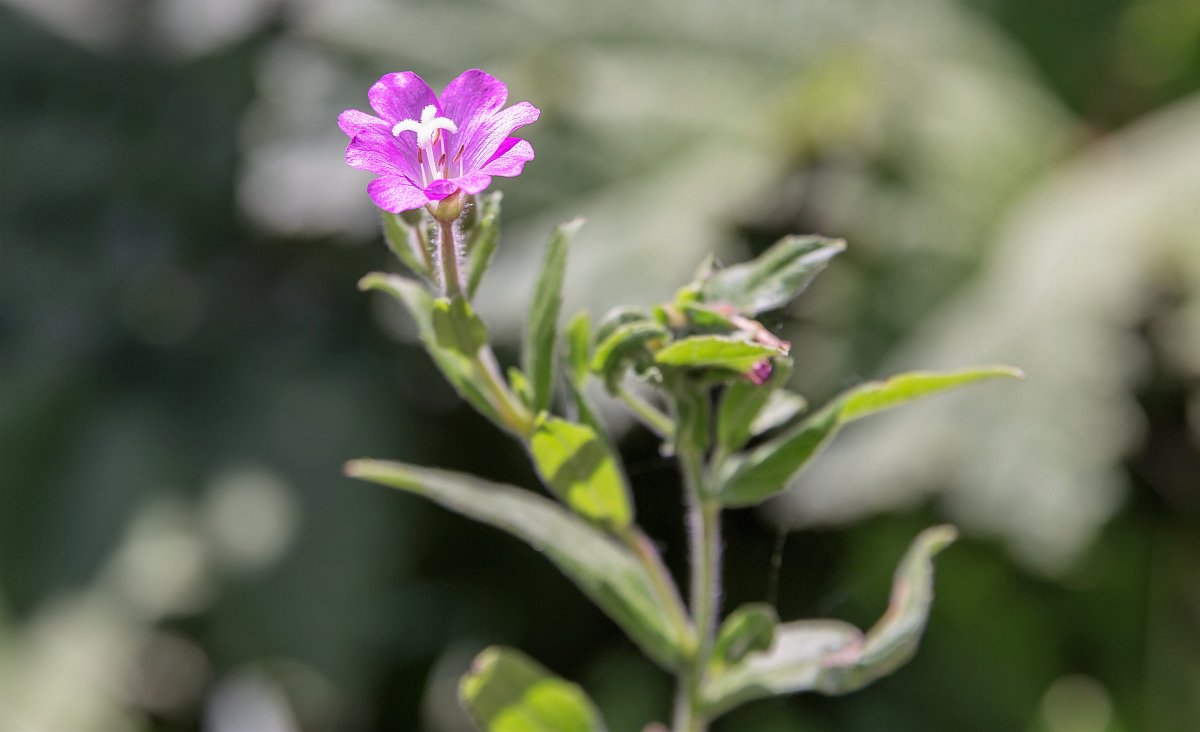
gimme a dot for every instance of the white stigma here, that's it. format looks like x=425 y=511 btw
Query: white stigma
x=427 y=127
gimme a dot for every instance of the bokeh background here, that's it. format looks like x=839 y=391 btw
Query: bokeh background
x=185 y=361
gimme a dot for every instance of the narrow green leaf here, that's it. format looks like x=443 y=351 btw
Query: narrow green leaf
x=604 y=569
x=750 y=628
x=776 y=277
x=833 y=657
x=541 y=334
x=407 y=236
x=579 y=352
x=506 y=691
x=481 y=236
x=458 y=369
x=769 y=468
x=714 y=352
x=456 y=327
x=741 y=404
x=575 y=463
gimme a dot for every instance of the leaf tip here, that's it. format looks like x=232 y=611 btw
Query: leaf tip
x=371 y=281
x=937 y=538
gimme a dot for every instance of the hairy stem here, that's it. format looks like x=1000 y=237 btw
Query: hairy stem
x=448 y=251
x=704 y=543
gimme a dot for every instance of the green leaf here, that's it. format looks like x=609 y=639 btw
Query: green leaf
x=520 y=385
x=741 y=404
x=607 y=572
x=407 y=236
x=506 y=691
x=769 y=468
x=481 y=237
x=453 y=362
x=628 y=341
x=782 y=407
x=578 y=347
x=456 y=327
x=833 y=657
x=714 y=352
x=542 y=330
x=575 y=462
x=748 y=629
x=776 y=277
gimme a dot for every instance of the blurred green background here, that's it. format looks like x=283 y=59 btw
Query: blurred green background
x=185 y=361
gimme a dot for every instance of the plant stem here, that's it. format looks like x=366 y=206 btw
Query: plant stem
x=512 y=412
x=704 y=543
x=646 y=413
x=448 y=250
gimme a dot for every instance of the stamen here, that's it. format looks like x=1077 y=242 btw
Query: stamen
x=442 y=161
x=420 y=156
x=458 y=156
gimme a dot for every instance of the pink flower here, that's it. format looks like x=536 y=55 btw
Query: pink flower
x=424 y=147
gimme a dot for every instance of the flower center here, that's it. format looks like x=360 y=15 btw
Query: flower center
x=431 y=143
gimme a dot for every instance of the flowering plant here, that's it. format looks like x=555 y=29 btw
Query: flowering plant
x=719 y=401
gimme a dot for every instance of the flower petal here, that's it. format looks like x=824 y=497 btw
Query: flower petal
x=396 y=193
x=400 y=96
x=487 y=139
x=473 y=95
x=353 y=121
x=510 y=158
x=375 y=149
x=472 y=182
x=440 y=188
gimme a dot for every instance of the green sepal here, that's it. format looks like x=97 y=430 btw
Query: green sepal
x=769 y=468
x=575 y=462
x=541 y=334
x=453 y=362
x=741 y=404
x=750 y=628
x=775 y=277
x=407 y=236
x=481 y=234
x=833 y=657
x=607 y=571
x=506 y=691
